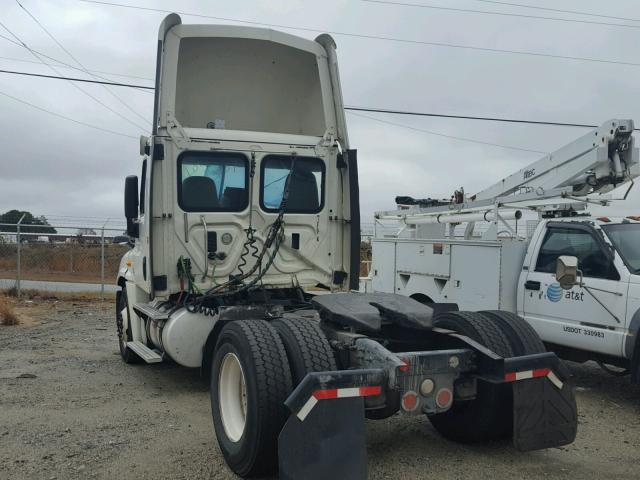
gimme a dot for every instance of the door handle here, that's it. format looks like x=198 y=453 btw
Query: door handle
x=532 y=285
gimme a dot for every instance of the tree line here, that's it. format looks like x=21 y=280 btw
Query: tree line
x=30 y=224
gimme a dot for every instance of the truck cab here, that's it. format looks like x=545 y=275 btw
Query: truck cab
x=237 y=109
x=599 y=317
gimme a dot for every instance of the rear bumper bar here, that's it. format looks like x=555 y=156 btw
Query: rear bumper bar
x=325 y=435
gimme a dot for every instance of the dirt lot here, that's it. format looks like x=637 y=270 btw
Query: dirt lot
x=69 y=408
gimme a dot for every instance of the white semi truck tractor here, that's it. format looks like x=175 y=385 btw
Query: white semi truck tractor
x=434 y=251
x=246 y=265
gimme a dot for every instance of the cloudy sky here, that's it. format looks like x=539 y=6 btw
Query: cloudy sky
x=52 y=166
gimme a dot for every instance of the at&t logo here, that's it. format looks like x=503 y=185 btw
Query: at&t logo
x=554 y=292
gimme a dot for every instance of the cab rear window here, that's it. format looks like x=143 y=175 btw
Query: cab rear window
x=212 y=182
x=306 y=186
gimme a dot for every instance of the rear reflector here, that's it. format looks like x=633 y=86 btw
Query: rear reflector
x=347 y=392
x=537 y=373
x=333 y=393
x=444 y=397
x=410 y=401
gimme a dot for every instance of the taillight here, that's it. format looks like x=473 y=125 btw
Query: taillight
x=444 y=397
x=410 y=401
x=406 y=365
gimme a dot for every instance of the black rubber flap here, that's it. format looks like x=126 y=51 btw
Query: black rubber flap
x=544 y=416
x=329 y=444
x=367 y=311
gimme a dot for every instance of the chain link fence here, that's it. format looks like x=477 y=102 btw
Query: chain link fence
x=60 y=257
x=77 y=257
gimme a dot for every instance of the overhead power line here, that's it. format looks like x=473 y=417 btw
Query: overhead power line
x=468 y=117
x=72 y=57
x=372 y=37
x=79 y=122
x=453 y=137
x=22 y=60
x=57 y=72
x=351 y=107
x=500 y=14
x=75 y=79
x=62 y=64
x=559 y=10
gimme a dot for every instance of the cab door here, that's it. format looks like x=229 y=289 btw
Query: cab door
x=589 y=319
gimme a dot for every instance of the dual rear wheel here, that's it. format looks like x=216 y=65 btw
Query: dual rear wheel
x=257 y=364
x=489 y=416
x=255 y=367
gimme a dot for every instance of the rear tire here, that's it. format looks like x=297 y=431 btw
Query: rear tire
x=489 y=415
x=307 y=348
x=524 y=340
x=250 y=381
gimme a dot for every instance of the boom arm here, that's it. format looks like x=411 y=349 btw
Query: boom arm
x=599 y=161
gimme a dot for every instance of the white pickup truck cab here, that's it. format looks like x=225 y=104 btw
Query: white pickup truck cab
x=600 y=318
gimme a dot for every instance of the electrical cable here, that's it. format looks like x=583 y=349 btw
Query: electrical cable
x=75 y=79
x=86 y=93
x=453 y=137
x=548 y=9
x=22 y=60
x=501 y=14
x=355 y=108
x=67 y=118
x=376 y=110
x=67 y=65
x=468 y=117
x=65 y=50
x=236 y=285
x=370 y=37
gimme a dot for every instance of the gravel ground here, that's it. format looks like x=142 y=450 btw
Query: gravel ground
x=70 y=408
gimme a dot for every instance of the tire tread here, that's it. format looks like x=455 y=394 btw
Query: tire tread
x=312 y=346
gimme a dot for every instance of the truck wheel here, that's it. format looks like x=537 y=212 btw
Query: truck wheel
x=250 y=381
x=489 y=415
x=124 y=335
x=523 y=339
x=306 y=345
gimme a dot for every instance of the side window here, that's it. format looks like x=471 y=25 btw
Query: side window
x=592 y=260
x=306 y=186
x=212 y=182
x=143 y=185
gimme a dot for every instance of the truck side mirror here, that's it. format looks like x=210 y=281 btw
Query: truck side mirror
x=131 y=204
x=567 y=271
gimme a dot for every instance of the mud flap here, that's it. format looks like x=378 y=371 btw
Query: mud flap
x=329 y=443
x=544 y=416
x=325 y=435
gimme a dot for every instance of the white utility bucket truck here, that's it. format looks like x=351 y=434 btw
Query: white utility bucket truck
x=417 y=252
x=247 y=247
